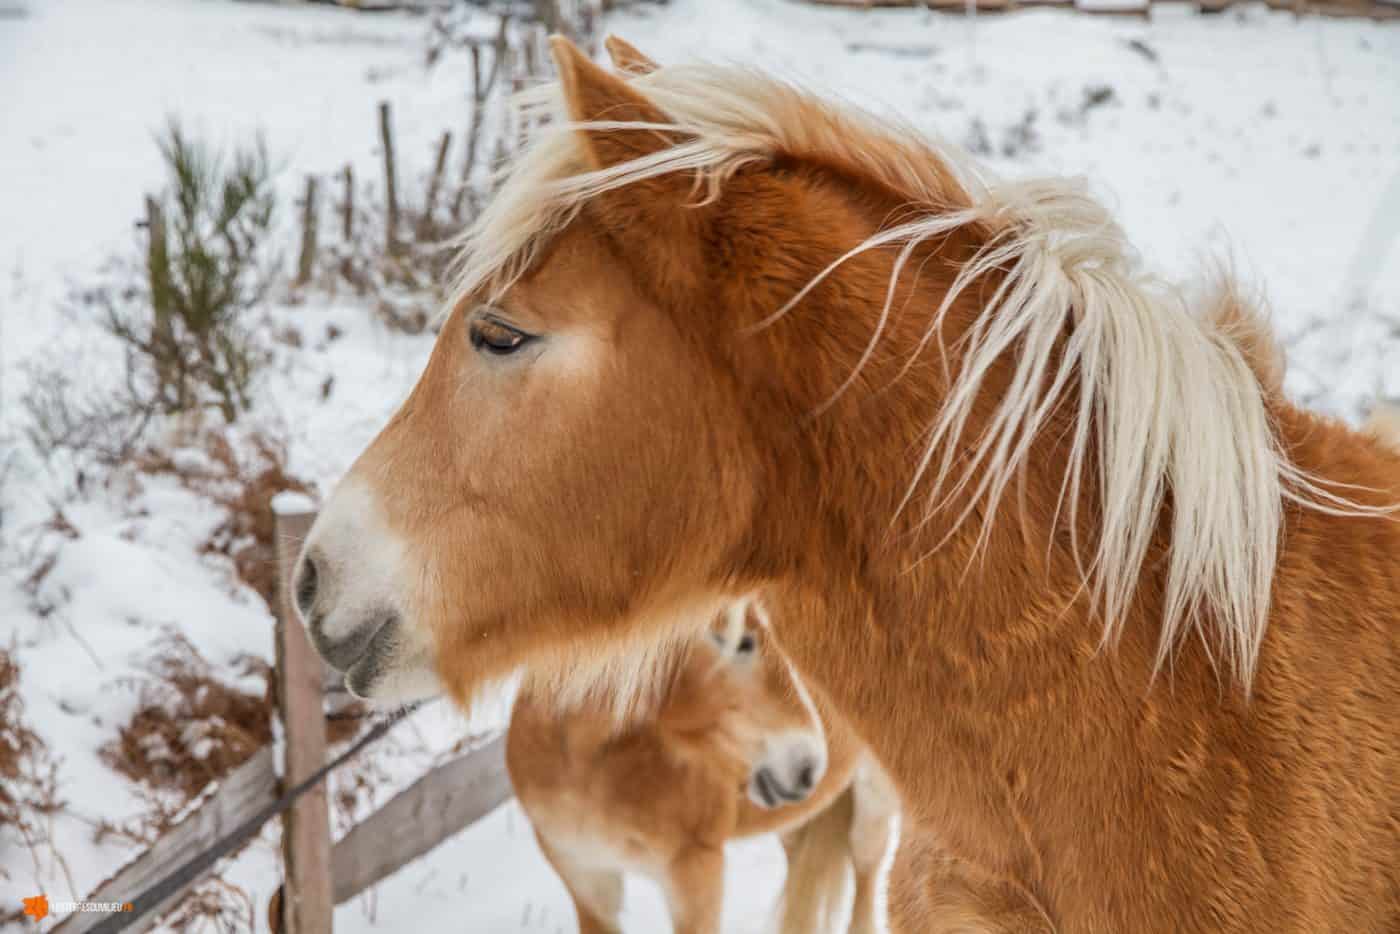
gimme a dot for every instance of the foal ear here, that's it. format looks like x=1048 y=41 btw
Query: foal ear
x=627 y=58
x=593 y=95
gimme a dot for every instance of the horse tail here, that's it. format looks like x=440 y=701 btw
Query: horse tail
x=819 y=867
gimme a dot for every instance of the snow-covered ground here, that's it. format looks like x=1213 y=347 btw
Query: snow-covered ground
x=1272 y=141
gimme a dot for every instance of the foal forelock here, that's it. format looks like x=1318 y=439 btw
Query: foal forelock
x=1166 y=399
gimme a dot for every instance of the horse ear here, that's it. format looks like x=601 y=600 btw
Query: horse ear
x=638 y=212
x=627 y=58
x=593 y=95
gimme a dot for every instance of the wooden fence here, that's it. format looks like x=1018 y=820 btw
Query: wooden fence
x=1365 y=9
x=317 y=875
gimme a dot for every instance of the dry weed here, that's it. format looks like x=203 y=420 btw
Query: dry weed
x=191 y=728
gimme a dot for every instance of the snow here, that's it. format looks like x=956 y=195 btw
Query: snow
x=288 y=503
x=1269 y=141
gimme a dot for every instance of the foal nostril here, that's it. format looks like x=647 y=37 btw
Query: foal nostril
x=763 y=789
x=807 y=777
x=307 y=579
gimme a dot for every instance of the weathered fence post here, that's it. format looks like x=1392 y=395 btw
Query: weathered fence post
x=391 y=222
x=426 y=227
x=307 y=907
x=547 y=12
x=473 y=133
x=307 y=260
x=158 y=279
x=347 y=217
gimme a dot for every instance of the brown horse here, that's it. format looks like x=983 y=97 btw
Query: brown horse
x=1121 y=623
x=662 y=794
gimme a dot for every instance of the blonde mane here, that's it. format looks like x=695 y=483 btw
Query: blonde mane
x=1175 y=402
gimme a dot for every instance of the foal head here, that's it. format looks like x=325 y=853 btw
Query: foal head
x=738 y=705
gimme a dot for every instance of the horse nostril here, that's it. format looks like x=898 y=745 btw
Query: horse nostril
x=306 y=583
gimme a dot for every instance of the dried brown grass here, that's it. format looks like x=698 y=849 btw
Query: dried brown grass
x=214 y=905
x=19 y=744
x=28 y=776
x=191 y=727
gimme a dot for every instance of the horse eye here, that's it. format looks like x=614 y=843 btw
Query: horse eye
x=497 y=337
x=747 y=644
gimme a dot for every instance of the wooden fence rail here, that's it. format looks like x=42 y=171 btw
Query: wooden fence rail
x=239 y=795
x=452 y=796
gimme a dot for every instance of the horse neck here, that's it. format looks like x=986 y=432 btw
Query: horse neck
x=837 y=501
x=885 y=607
x=942 y=664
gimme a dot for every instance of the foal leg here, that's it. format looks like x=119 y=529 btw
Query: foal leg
x=871 y=832
x=695 y=890
x=597 y=893
x=790 y=840
x=872 y=828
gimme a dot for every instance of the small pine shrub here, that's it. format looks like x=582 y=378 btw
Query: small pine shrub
x=180 y=304
x=207 y=264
